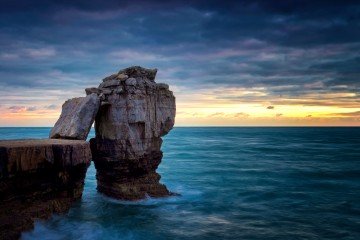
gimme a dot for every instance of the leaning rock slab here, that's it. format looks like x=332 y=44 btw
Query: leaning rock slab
x=76 y=118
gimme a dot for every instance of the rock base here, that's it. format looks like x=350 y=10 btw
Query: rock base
x=132 y=189
x=126 y=177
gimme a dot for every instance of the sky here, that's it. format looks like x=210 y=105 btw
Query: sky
x=229 y=63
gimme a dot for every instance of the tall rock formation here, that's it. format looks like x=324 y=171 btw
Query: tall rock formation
x=135 y=112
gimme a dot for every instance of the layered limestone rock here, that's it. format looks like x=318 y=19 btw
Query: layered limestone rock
x=39 y=177
x=135 y=112
x=76 y=118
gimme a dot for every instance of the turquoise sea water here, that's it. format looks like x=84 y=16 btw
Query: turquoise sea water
x=236 y=183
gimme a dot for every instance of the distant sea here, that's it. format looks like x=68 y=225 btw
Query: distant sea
x=236 y=183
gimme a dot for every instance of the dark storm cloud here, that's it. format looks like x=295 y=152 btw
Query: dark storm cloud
x=346 y=71
x=292 y=23
x=301 y=23
x=291 y=48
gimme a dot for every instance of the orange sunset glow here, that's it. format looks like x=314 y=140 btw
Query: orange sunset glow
x=209 y=108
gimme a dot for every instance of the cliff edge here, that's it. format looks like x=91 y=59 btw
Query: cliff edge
x=39 y=177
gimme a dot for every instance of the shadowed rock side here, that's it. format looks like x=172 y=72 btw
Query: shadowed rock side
x=76 y=118
x=39 y=177
x=135 y=112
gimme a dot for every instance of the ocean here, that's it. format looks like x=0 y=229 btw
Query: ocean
x=235 y=182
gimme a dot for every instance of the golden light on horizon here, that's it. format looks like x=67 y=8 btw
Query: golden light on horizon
x=225 y=107
x=221 y=107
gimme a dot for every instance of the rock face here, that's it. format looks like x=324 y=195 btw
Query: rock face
x=76 y=118
x=41 y=176
x=135 y=112
x=37 y=178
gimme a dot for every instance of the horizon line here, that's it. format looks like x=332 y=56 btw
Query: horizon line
x=201 y=126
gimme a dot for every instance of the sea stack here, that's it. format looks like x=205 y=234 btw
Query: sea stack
x=135 y=113
x=131 y=112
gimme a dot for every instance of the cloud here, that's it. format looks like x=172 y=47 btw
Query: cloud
x=227 y=115
x=9 y=56
x=270 y=107
x=241 y=114
x=217 y=114
x=347 y=114
x=31 y=109
x=51 y=107
x=297 y=52
x=131 y=55
x=39 y=53
x=16 y=109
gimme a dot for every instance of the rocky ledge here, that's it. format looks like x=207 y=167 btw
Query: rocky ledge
x=39 y=177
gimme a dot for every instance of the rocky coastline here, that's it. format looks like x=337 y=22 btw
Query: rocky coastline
x=39 y=177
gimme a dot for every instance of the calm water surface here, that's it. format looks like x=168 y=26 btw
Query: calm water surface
x=236 y=183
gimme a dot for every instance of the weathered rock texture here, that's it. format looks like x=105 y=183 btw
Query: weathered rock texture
x=135 y=112
x=39 y=177
x=76 y=118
